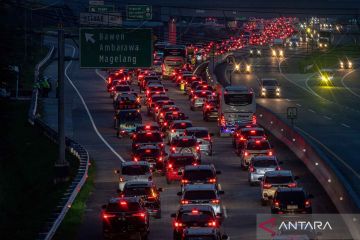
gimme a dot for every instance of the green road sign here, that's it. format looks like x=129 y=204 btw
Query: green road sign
x=101 y=8
x=138 y=12
x=115 y=47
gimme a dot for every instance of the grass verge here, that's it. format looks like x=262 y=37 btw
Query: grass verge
x=320 y=59
x=27 y=192
x=70 y=225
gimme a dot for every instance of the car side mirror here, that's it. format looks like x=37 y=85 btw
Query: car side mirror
x=218 y=172
x=173 y=215
x=104 y=206
x=296 y=177
x=310 y=196
x=179 y=194
x=160 y=189
x=224 y=237
x=221 y=192
x=260 y=178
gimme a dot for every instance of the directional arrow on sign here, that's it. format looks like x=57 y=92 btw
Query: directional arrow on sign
x=89 y=37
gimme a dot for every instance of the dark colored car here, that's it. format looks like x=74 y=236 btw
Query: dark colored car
x=185 y=144
x=291 y=200
x=193 y=215
x=205 y=173
x=205 y=233
x=126 y=121
x=147 y=138
x=125 y=216
x=210 y=110
x=176 y=163
x=147 y=191
x=153 y=154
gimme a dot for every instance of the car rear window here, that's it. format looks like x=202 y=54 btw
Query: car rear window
x=156 y=88
x=148 y=151
x=202 y=94
x=136 y=191
x=182 y=125
x=202 y=237
x=247 y=133
x=197 y=133
x=285 y=197
x=148 y=137
x=181 y=161
x=185 y=142
x=196 y=217
x=123 y=88
x=135 y=170
x=278 y=179
x=157 y=98
x=117 y=207
x=270 y=83
x=198 y=174
x=200 y=195
x=264 y=163
x=255 y=145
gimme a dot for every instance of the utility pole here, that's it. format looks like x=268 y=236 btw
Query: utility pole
x=61 y=165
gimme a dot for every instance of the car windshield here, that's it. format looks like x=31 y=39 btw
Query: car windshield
x=200 y=195
x=201 y=174
x=181 y=125
x=238 y=99
x=133 y=191
x=135 y=170
x=186 y=142
x=196 y=217
x=181 y=161
x=122 y=88
x=148 y=137
x=197 y=133
x=258 y=145
x=293 y=196
x=278 y=179
x=264 y=163
x=269 y=83
x=125 y=207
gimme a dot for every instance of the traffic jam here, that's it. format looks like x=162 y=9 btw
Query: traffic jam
x=165 y=143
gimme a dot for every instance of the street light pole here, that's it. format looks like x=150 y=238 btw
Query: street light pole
x=61 y=165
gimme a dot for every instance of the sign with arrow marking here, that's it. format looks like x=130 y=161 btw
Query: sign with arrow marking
x=115 y=47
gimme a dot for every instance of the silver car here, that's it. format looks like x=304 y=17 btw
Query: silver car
x=198 y=99
x=260 y=165
x=254 y=147
x=132 y=170
x=269 y=88
x=272 y=180
x=203 y=138
x=177 y=128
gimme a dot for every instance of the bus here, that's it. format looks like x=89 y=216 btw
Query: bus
x=237 y=107
x=174 y=57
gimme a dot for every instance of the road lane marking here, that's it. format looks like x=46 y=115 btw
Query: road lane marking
x=329 y=118
x=288 y=100
x=224 y=211
x=310 y=110
x=219 y=186
x=87 y=110
x=299 y=105
x=345 y=125
x=99 y=74
x=346 y=87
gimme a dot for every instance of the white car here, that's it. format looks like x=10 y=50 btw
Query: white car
x=133 y=170
x=177 y=128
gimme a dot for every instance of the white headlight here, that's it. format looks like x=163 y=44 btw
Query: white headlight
x=278 y=89
x=263 y=89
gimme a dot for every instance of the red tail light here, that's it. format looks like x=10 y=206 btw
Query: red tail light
x=172 y=130
x=267 y=185
x=160 y=159
x=278 y=168
x=307 y=203
x=173 y=149
x=270 y=153
x=212 y=180
x=197 y=148
x=178 y=224
x=276 y=203
x=251 y=169
x=142 y=215
x=107 y=216
x=184 y=202
x=212 y=224
x=136 y=159
x=184 y=181
x=246 y=154
x=215 y=201
x=121 y=179
x=292 y=185
x=170 y=165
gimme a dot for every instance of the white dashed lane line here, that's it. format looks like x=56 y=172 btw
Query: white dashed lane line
x=224 y=212
x=310 y=110
x=345 y=125
x=329 y=118
x=299 y=105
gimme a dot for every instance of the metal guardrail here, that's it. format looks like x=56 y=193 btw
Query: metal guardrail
x=74 y=148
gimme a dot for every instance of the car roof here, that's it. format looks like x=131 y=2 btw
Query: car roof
x=200 y=231
x=183 y=154
x=278 y=173
x=200 y=187
x=155 y=84
x=139 y=183
x=128 y=110
x=152 y=146
x=190 y=207
x=236 y=88
x=262 y=158
x=199 y=167
x=181 y=121
x=130 y=163
x=128 y=199
x=197 y=129
x=296 y=189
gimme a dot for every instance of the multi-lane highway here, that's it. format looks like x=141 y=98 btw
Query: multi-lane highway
x=91 y=118
x=327 y=115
